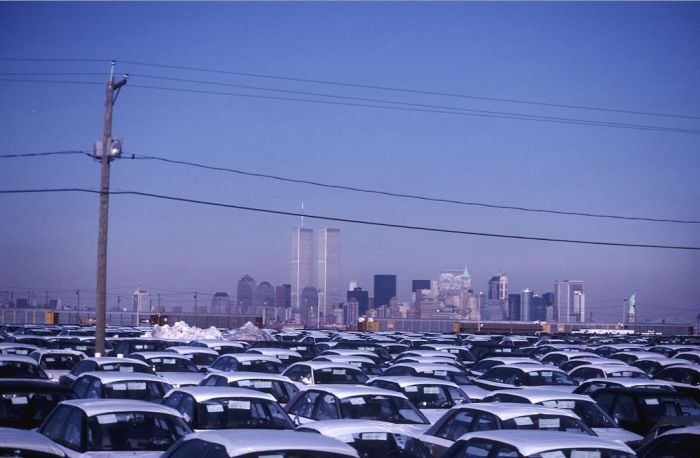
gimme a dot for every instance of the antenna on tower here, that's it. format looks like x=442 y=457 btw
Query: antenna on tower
x=302 y=214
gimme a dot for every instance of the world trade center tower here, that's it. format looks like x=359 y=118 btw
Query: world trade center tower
x=328 y=273
x=302 y=263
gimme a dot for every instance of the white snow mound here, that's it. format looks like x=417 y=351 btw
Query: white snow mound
x=182 y=330
x=249 y=333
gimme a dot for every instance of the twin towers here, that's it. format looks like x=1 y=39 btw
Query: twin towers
x=316 y=300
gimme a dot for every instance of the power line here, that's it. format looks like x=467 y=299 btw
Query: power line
x=408 y=104
x=498 y=115
x=50 y=153
x=405 y=90
x=368 y=191
x=415 y=108
x=50 y=59
x=409 y=196
x=348 y=220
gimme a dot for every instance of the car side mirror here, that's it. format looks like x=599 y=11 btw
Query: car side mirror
x=296 y=420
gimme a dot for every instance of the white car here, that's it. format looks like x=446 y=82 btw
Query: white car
x=177 y=369
x=536 y=444
x=20 y=443
x=279 y=386
x=87 y=428
x=57 y=362
x=234 y=443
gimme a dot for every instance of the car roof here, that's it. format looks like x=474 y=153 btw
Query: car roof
x=348 y=391
x=93 y=407
x=609 y=368
x=629 y=382
x=527 y=367
x=116 y=376
x=242 y=375
x=529 y=442
x=316 y=365
x=344 y=359
x=536 y=395
x=428 y=367
x=250 y=357
x=243 y=441
x=31 y=384
x=334 y=428
x=407 y=380
x=159 y=354
x=695 y=430
x=57 y=351
x=101 y=360
x=508 y=410
x=19 y=358
x=28 y=440
x=206 y=393
x=187 y=349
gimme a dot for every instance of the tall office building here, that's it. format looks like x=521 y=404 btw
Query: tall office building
x=514 y=307
x=245 y=295
x=309 y=307
x=142 y=301
x=362 y=299
x=526 y=305
x=302 y=263
x=283 y=296
x=567 y=305
x=220 y=304
x=417 y=285
x=328 y=273
x=384 y=289
x=498 y=287
x=264 y=298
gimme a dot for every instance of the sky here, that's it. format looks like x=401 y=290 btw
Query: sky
x=626 y=58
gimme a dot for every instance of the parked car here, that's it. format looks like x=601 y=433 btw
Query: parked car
x=259 y=444
x=438 y=371
x=177 y=369
x=535 y=444
x=107 y=364
x=57 y=362
x=331 y=402
x=25 y=403
x=584 y=406
x=17 y=443
x=321 y=372
x=597 y=370
x=594 y=384
x=214 y=407
x=433 y=397
x=279 y=386
x=120 y=385
x=676 y=443
x=18 y=366
x=520 y=375
x=200 y=356
x=373 y=438
x=86 y=427
x=638 y=409
x=247 y=362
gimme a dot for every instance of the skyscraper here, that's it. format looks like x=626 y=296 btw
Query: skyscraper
x=302 y=263
x=417 y=285
x=220 y=303
x=362 y=299
x=328 y=272
x=567 y=306
x=384 y=289
x=245 y=295
x=498 y=287
x=526 y=305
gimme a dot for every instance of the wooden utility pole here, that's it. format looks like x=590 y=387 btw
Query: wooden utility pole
x=101 y=305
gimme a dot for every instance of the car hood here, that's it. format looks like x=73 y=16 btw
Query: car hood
x=474 y=392
x=182 y=378
x=617 y=434
x=433 y=415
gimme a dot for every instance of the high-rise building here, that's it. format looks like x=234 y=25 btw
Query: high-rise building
x=220 y=304
x=526 y=304
x=579 y=306
x=384 y=289
x=142 y=301
x=245 y=295
x=498 y=287
x=417 y=285
x=309 y=308
x=565 y=311
x=351 y=313
x=449 y=282
x=514 y=307
x=362 y=298
x=328 y=271
x=302 y=263
x=283 y=296
x=264 y=298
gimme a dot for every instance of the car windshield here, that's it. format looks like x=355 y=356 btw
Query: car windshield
x=549 y=378
x=20 y=369
x=202 y=359
x=273 y=387
x=141 y=390
x=382 y=408
x=548 y=423
x=429 y=396
x=583 y=453
x=339 y=375
x=228 y=413
x=134 y=431
x=59 y=362
x=656 y=407
x=387 y=444
x=26 y=409
x=126 y=367
x=172 y=365
x=589 y=412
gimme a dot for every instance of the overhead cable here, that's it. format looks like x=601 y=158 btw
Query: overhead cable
x=348 y=220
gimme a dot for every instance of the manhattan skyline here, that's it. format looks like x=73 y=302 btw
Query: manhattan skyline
x=637 y=62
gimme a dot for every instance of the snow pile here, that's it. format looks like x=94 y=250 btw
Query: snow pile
x=182 y=330
x=249 y=333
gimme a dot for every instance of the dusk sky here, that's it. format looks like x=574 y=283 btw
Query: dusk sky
x=629 y=57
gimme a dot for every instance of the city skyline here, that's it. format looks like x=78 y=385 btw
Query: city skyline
x=538 y=120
